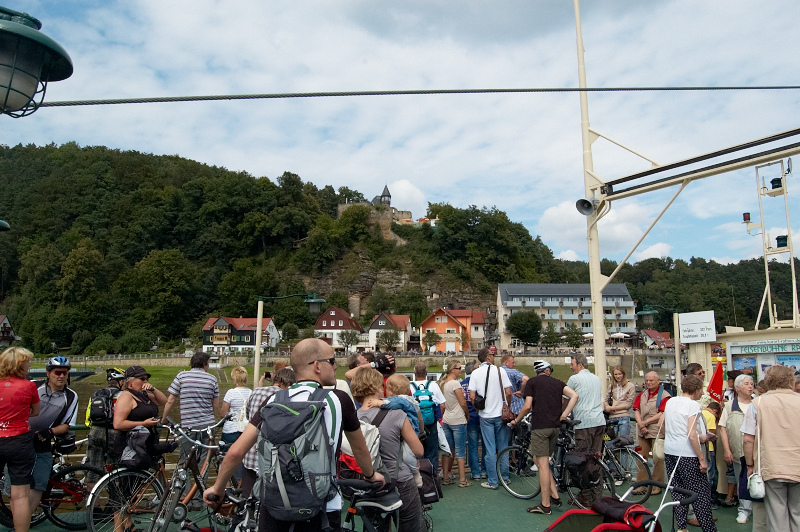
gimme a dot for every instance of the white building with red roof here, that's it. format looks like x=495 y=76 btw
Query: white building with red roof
x=237 y=334
x=384 y=322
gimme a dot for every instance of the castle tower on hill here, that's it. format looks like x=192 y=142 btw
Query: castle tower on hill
x=384 y=199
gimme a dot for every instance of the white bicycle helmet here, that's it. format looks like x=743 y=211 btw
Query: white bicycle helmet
x=541 y=365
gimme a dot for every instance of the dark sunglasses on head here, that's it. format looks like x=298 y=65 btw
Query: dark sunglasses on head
x=60 y=372
x=331 y=361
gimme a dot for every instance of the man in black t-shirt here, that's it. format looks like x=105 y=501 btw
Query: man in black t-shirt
x=543 y=395
x=314 y=364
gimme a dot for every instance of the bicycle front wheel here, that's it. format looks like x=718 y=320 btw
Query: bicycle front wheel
x=523 y=480
x=66 y=497
x=625 y=465
x=122 y=499
x=575 y=492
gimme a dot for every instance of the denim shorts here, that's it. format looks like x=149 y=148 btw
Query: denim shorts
x=41 y=471
x=456 y=438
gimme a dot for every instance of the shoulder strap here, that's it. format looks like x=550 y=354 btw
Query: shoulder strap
x=658 y=397
x=427 y=383
x=502 y=391
x=486 y=386
x=382 y=413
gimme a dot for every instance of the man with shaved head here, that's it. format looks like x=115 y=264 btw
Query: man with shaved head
x=314 y=365
x=648 y=408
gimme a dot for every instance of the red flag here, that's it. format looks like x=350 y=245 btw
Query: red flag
x=715 y=385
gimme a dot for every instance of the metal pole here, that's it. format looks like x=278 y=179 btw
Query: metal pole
x=257 y=357
x=596 y=280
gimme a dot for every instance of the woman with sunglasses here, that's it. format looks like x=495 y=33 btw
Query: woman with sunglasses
x=454 y=422
x=137 y=406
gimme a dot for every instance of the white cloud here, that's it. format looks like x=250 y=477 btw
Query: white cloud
x=406 y=196
x=658 y=250
x=568 y=254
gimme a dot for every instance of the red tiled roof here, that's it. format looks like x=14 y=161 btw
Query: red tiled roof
x=400 y=321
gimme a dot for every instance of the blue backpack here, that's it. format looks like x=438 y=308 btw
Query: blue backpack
x=426 y=405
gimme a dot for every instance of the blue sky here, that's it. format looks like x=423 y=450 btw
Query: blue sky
x=518 y=152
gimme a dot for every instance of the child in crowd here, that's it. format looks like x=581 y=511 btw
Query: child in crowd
x=397 y=398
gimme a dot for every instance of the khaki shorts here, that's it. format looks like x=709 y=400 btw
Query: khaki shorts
x=543 y=441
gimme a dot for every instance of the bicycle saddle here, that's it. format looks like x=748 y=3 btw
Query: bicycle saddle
x=569 y=423
x=387 y=503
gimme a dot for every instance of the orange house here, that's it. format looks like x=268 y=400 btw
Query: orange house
x=454 y=327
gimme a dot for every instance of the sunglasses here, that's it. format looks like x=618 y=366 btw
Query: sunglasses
x=457 y=367
x=331 y=361
x=60 y=372
x=145 y=379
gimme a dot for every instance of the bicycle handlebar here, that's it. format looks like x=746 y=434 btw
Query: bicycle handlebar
x=176 y=430
x=691 y=496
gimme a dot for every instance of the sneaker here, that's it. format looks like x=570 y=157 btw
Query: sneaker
x=742 y=518
x=488 y=486
x=534 y=468
x=728 y=502
x=484 y=475
x=539 y=509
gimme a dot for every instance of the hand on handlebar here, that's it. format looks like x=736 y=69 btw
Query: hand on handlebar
x=212 y=496
x=378 y=478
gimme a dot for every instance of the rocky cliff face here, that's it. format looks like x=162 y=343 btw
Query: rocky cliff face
x=357 y=276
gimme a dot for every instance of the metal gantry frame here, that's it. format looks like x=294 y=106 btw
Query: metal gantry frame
x=599 y=194
x=778 y=187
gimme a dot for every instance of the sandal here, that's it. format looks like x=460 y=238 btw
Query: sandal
x=464 y=484
x=447 y=481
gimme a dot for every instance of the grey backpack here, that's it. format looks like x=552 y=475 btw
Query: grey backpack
x=297 y=467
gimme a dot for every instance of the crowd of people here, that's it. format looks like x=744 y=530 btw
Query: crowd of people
x=708 y=447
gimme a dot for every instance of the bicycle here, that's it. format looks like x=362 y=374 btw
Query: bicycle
x=234 y=514
x=623 y=460
x=373 y=511
x=525 y=484
x=65 y=498
x=145 y=497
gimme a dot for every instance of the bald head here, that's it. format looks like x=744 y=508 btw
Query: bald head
x=651 y=381
x=305 y=353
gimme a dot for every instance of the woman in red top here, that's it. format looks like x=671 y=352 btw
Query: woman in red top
x=18 y=401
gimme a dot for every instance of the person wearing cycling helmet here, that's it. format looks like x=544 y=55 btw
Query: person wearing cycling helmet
x=59 y=410
x=543 y=395
x=102 y=445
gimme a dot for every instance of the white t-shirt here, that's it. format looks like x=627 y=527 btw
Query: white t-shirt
x=237 y=398
x=433 y=387
x=678 y=412
x=494 y=394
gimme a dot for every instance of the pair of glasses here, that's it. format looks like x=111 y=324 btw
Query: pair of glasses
x=145 y=379
x=331 y=361
x=60 y=372
x=457 y=367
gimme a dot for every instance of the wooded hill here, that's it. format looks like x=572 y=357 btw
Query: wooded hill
x=110 y=250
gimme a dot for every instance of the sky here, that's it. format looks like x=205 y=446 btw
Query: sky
x=521 y=153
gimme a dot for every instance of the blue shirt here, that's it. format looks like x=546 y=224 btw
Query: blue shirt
x=515 y=376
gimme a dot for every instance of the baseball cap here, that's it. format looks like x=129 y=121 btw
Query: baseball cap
x=136 y=371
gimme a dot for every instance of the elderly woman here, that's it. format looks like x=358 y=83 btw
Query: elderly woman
x=19 y=400
x=770 y=424
x=729 y=428
x=684 y=456
x=395 y=429
x=620 y=400
x=454 y=422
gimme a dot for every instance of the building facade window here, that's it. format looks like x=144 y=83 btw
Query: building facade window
x=324 y=323
x=341 y=323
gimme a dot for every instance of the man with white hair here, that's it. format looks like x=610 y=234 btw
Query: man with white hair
x=729 y=428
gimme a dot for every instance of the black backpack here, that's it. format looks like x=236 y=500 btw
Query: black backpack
x=101 y=407
x=584 y=471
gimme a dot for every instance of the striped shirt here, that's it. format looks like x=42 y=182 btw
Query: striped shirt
x=588 y=409
x=197 y=389
x=254 y=404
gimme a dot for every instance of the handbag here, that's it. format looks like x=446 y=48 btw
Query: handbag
x=241 y=419
x=444 y=447
x=658 y=445
x=480 y=400
x=755 y=484
x=65 y=443
x=506 y=414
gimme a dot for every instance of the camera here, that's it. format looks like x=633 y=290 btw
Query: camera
x=267 y=374
x=383 y=365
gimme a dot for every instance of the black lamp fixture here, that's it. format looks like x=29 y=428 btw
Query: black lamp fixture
x=29 y=60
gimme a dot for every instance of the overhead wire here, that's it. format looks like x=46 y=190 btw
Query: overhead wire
x=424 y=92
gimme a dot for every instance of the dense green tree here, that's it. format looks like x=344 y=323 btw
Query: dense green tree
x=550 y=336
x=430 y=339
x=388 y=340
x=574 y=336
x=526 y=326
x=289 y=332
x=348 y=338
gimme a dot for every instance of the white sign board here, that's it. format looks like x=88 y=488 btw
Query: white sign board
x=697 y=327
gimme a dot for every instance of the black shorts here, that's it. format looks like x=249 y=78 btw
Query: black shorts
x=17 y=453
